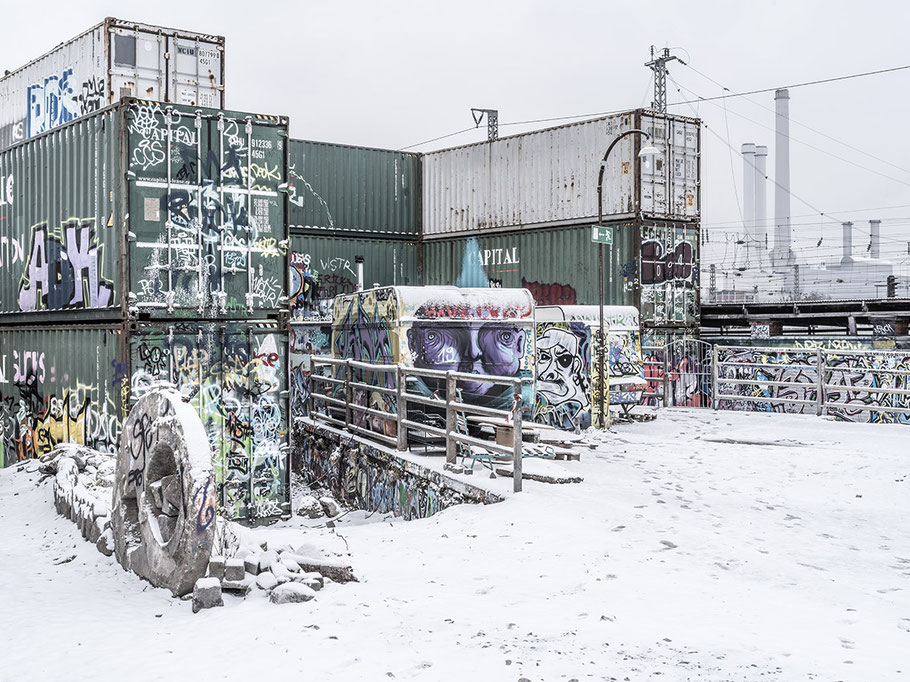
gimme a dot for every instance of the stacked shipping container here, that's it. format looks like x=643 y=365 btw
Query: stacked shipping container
x=150 y=238
x=111 y=60
x=517 y=212
x=345 y=204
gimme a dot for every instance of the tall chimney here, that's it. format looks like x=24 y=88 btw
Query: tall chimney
x=748 y=151
x=761 y=200
x=782 y=256
x=848 y=242
x=875 y=232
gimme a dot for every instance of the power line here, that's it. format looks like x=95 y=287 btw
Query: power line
x=597 y=114
x=802 y=125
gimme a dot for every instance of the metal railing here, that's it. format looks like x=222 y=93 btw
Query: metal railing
x=803 y=380
x=657 y=374
x=336 y=394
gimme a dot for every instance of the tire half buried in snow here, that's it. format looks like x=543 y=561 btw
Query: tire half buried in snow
x=164 y=494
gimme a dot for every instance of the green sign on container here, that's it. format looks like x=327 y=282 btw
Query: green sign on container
x=602 y=234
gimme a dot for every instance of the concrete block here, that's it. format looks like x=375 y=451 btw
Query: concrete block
x=216 y=567
x=266 y=581
x=251 y=564
x=206 y=594
x=233 y=569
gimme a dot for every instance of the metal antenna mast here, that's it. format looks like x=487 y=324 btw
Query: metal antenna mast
x=659 y=66
x=492 y=121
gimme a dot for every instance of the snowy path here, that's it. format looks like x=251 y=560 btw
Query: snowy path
x=704 y=546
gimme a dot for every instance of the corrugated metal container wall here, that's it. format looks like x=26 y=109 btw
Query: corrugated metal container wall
x=558 y=266
x=241 y=373
x=669 y=274
x=548 y=178
x=208 y=225
x=61 y=242
x=329 y=264
x=671 y=183
x=109 y=61
x=539 y=178
x=60 y=385
x=345 y=189
x=194 y=192
x=75 y=384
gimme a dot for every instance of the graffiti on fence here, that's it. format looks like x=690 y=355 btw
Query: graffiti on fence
x=850 y=379
x=687 y=363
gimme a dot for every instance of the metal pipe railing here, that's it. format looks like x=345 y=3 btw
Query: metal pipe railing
x=398 y=375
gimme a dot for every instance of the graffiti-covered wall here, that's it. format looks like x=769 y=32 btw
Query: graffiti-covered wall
x=236 y=375
x=60 y=386
x=372 y=478
x=188 y=199
x=850 y=378
x=323 y=267
x=442 y=328
x=564 y=375
x=669 y=274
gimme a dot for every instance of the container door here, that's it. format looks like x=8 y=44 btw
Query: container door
x=138 y=64
x=235 y=376
x=194 y=72
x=207 y=220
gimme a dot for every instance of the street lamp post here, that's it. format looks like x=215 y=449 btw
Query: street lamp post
x=647 y=150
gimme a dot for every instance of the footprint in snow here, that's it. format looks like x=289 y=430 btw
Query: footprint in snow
x=668 y=545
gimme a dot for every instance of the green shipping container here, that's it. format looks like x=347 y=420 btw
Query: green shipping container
x=152 y=210
x=559 y=266
x=322 y=267
x=74 y=384
x=652 y=265
x=337 y=189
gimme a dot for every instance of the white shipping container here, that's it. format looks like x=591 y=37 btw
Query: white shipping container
x=111 y=60
x=548 y=178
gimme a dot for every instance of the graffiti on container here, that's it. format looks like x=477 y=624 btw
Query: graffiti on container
x=563 y=367
x=7 y=183
x=297 y=196
x=235 y=384
x=51 y=103
x=12 y=133
x=91 y=98
x=65 y=272
x=305 y=341
x=551 y=294
x=658 y=266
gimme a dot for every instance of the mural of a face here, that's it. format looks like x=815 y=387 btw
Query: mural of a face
x=559 y=367
x=472 y=347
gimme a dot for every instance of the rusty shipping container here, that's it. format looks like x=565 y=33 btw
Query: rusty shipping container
x=114 y=59
x=652 y=265
x=338 y=189
x=548 y=178
x=145 y=210
x=76 y=383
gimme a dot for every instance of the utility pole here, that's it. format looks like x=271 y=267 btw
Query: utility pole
x=659 y=66
x=492 y=121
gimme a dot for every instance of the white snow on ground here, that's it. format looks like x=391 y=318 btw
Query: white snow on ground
x=704 y=546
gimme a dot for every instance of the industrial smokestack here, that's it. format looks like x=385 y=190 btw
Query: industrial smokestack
x=782 y=256
x=875 y=233
x=848 y=242
x=761 y=199
x=748 y=151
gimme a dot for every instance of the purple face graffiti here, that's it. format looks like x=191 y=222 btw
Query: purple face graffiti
x=473 y=347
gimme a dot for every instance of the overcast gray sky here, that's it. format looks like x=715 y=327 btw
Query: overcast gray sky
x=390 y=74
